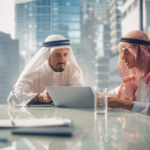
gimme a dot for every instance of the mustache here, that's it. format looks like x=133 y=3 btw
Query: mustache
x=60 y=63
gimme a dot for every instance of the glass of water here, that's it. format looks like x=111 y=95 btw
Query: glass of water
x=100 y=101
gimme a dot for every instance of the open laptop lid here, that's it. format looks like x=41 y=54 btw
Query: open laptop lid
x=74 y=97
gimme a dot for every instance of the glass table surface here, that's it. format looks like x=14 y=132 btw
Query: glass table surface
x=118 y=130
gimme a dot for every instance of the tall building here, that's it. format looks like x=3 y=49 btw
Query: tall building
x=66 y=21
x=131 y=16
x=93 y=16
x=43 y=20
x=115 y=18
x=25 y=26
x=103 y=56
x=9 y=69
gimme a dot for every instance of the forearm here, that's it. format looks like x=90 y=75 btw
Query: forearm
x=22 y=92
x=114 y=102
x=18 y=97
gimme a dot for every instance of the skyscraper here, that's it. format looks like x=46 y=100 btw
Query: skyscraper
x=9 y=69
x=43 y=20
x=103 y=56
x=25 y=27
x=115 y=18
x=94 y=19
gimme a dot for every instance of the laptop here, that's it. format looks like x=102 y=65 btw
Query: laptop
x=74 y=97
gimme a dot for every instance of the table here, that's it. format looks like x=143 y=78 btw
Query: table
x=118 y=130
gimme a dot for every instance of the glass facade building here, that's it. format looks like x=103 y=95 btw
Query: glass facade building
x=25 y=28
x=9 y=65
x=58 y=17
x=102 y=56
x=43 y=21
x=115 y=19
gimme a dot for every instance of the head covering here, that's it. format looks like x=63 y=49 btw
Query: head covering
x=51 y=43
x=138 y=44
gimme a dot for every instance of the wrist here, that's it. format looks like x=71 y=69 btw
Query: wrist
x=128 y=105
x=35 y=100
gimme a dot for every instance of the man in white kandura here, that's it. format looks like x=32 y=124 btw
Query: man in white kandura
x=53 y=65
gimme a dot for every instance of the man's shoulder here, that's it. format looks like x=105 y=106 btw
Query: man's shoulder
x=41 y=70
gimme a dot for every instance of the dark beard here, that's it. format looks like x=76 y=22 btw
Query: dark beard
x=57 y=70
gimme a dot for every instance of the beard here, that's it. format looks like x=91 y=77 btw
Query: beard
x=57 y=69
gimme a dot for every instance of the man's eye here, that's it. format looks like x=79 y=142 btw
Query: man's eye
x=57 y=55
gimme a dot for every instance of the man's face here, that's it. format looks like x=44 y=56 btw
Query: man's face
x=58 y=59
x=128 y=58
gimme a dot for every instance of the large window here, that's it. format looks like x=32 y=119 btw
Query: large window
x=94 y=28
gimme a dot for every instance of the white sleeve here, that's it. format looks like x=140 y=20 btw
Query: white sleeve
x=22 y=92
x=140 y=107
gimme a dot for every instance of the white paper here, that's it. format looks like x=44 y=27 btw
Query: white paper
x=34 y=122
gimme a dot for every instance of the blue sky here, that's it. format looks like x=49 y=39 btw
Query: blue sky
x=7 y=16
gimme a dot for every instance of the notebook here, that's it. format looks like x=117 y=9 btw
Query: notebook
x=28 y=123
x=73 y=97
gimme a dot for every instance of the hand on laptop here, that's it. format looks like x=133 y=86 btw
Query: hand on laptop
x=44 y=97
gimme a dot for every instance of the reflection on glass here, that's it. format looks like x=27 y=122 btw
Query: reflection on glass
x=45 y=143
x=100 y=129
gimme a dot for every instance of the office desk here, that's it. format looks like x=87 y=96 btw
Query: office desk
x=119 y=130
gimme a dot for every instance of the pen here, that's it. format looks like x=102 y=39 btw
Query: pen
x=2 y=139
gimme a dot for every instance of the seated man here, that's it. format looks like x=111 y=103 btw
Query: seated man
x=53 y=65
x=134 y=68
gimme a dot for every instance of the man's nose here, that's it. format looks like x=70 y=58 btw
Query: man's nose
x=62 y=58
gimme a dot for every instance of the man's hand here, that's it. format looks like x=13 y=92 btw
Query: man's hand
x=99 y=101
x=44 y=97
x=114 y=102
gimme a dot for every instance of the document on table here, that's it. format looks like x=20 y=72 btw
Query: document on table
x=43 y=122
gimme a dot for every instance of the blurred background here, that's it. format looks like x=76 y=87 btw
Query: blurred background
x=94 y=28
